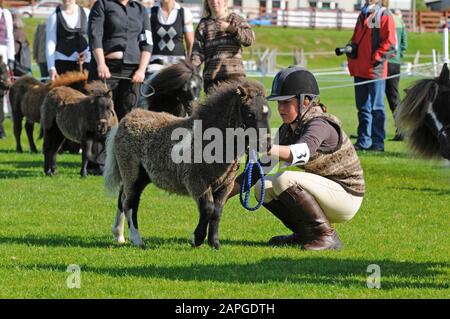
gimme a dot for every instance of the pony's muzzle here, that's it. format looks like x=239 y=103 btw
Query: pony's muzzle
x=102 y=127
x=265 y=143
x=444 y=142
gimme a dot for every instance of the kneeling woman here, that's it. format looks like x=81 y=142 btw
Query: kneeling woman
x=331 y=187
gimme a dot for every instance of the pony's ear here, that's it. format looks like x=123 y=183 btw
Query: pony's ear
x=444 y=78
x=242 y=92
x=433 y=92
x=108 y=93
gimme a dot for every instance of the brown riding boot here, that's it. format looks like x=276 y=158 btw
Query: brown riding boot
x=289 y=220
x=316 y=231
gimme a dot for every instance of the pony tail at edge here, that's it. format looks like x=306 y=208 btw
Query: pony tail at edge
x=111 y=171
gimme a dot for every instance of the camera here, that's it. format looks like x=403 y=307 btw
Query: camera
x=351 y=50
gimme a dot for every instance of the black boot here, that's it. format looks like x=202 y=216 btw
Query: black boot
x=289 y=220
x=317 y=233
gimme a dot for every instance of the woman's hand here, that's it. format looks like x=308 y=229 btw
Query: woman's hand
x=103 y=71
x=138 y=76
x=223 y=25
x=53 y=74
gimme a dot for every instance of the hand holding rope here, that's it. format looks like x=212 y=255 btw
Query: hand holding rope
x=247 y=182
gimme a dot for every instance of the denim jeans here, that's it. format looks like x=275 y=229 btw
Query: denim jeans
x=371 y=113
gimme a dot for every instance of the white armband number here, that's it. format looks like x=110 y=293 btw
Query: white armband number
x=300 y=154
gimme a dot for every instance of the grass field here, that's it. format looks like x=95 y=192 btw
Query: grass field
x=50 y=223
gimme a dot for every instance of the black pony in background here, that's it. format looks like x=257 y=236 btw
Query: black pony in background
x=175 y=88
x=424 y=116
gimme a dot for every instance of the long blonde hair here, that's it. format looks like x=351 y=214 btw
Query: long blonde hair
x=207 y=9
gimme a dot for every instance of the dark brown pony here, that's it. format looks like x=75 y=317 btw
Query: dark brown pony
x=424 y=116
x=70 y=114
x=26 y=96
x=176 y=87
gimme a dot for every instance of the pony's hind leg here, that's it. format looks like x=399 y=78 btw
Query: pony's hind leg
x=53 y=139
x=17 y=126
x=119 y=223
x=133 y=193
x=206 y=209
x=29 y=127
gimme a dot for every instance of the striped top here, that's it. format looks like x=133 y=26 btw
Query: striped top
x=221 y=52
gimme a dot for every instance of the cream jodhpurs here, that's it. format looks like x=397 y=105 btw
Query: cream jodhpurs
x=338 y=205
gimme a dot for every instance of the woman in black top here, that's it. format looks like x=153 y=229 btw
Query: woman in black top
x=120 y=38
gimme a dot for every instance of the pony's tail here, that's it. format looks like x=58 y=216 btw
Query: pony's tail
x=111 y=170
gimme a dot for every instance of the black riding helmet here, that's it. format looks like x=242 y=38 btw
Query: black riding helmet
x=293 y=81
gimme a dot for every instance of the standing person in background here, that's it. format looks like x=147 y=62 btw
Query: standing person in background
x=374 y=37
x=218 y=43
x=67 y=46
x=22 y=58
x=6 y=44
x=394 y=63
x=39 y=45
x=6 y=37
x=121 y=50
x=169 y=22
x=5 y=84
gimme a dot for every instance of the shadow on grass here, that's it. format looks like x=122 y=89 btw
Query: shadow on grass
x=40 y=164
x=19 y=173
x=23 y=169
x=107 y=241
x=327 y=272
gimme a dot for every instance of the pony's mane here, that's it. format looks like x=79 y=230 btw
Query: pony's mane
x=218 y=104
x=68 y=79
x=173 y=77
x=410 y=117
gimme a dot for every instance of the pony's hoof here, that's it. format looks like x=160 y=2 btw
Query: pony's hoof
x=34 y=151
x=214 y=244
x=83 y=173
x=48 y=173
x=196 y=242
x=120 y=240
x=19 y=150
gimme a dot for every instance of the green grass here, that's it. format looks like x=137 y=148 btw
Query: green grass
x=49 y=223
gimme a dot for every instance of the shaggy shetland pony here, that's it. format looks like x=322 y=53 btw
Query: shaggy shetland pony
x=424 y=116
x=140 y=150
x=26 y=96
x=70 y=114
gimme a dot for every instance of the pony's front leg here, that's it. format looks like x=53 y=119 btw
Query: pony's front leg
x=206 y=209
x=86 y=155
x=220 y=197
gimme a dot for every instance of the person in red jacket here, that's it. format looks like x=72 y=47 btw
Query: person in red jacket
x=373 y=42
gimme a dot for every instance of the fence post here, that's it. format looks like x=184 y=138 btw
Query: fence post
x=435 y=73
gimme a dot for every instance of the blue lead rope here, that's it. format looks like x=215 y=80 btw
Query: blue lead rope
x=247 y=182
